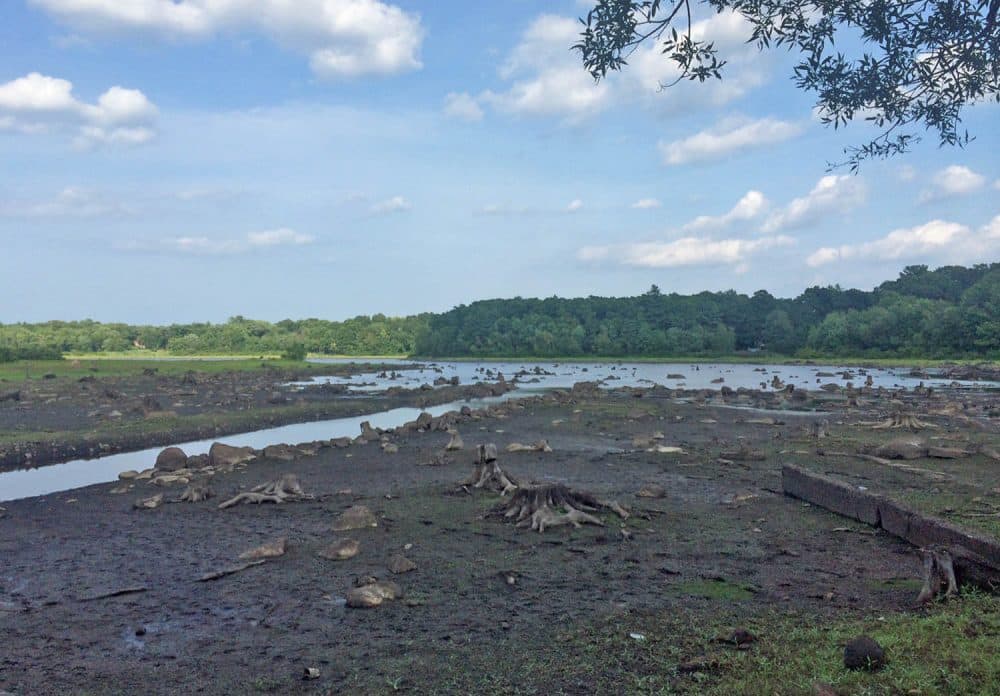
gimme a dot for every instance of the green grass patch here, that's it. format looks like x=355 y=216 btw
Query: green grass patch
x=720 y=589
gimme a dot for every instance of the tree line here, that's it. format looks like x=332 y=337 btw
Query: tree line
x=950 y=312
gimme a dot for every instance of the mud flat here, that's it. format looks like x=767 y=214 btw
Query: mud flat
x=105 y=589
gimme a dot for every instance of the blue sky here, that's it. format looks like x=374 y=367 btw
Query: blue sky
x=181 y=161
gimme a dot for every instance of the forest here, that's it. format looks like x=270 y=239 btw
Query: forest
x=949 y=312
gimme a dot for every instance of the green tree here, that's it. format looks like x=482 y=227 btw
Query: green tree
x=916 y=63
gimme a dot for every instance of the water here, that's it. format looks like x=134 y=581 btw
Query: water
x=618 y=374
x=553 y=375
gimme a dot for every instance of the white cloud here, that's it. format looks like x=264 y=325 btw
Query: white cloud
x=39 y=103
x=343 y=38
x=462 y=106
x=201 y=245
x=72 y=201
x=830 y=194
x=278 y=237
x=955 y=180
x=646 y=204
x=727 y=138
x=752 y=204
x=574 y=205
x=396 y=204
x=937 y=240
x=547 y=78
x=687 y=251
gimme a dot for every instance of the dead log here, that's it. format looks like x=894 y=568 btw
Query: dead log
x=115 y=593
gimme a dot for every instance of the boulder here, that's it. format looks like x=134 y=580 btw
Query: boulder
x=281 y=452
x=227 y=455
x=903 y=448
x=356 y=517
x=171 y=459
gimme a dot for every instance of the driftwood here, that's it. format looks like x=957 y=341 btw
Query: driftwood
x=285 y=489
x=216 y=574
x=115 y=593
x=538 y=507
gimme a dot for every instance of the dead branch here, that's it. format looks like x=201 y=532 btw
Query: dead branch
x=901 y=420
x=115 y=593
x=215 y=575
x=195 y=493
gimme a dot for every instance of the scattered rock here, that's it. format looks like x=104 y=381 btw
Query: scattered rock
x=373 y=595
x=270 y=550
x=149 y=503
x=390 y=448
x=126 y=475
x=400 y=564
x=864 y=653
x=651 y=490
x=281 y=452
x=340 y=550
x=356 y=517
x=903 y=448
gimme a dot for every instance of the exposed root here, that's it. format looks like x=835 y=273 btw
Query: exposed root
x=538 y=507
x=285 y=489
x=939 y=573
x=196 y=493
x=901 y=420
x=488 y=473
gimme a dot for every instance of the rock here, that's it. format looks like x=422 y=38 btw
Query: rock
x=651 y=490
x=373 y=595
x=903 y=448
x=340 y=550
x=149 y=503
x=277 y=398
x=171 y=459
x=270 y=550
x=198 y=461
x=356 y=517
x=400 y=564
x=281 y=452
x=10 y=396
x=227 y=455
x=127 y=475
x=864 y=653
x=390 y=448
x=368 y=433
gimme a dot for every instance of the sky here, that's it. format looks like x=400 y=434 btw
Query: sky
x=191 y=160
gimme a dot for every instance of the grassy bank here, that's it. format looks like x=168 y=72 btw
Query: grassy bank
x=948 y=648
x=167 y=365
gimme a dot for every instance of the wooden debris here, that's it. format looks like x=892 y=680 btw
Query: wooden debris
x=285 y=489
x=136 y=589
x=215 y=575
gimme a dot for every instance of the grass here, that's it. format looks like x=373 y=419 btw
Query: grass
x=947 y=649
x=122 y=367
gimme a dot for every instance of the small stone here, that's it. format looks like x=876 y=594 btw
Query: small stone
x=270 y=550
x=651 y=490
x=373 y=595
x=400 y=564
x=340 y=550
x=355 y=517
x=126 y=475
x=864 y=653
